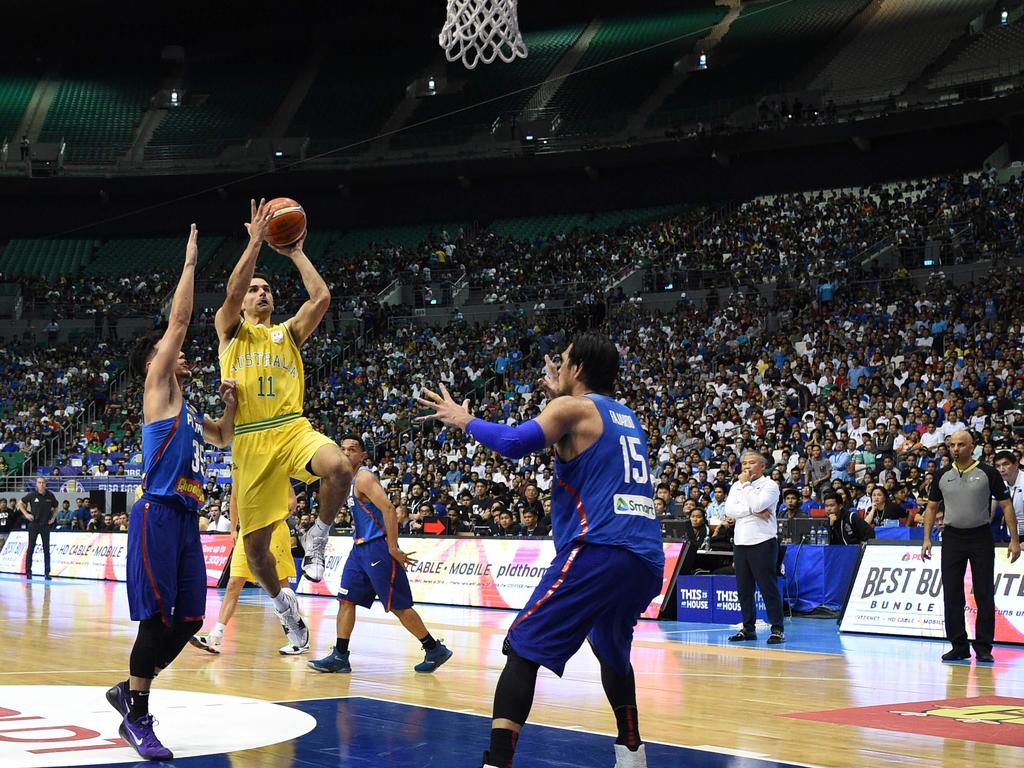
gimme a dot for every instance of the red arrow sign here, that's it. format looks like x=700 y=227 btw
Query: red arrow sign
x=435 y=527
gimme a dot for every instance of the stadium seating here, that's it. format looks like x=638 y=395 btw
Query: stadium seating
x=97 y=117
x=486 y=84
x=541 y=227
x=226 y=104
x=45 y=259
x=134 y=256
x=343 y=107
x=900 y=40
x=15 y=94
x=600 y=99
x=765 y=47
x=997 y=53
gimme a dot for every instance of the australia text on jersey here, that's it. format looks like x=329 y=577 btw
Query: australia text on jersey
x=263 y=359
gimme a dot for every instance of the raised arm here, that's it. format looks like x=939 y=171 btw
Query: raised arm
x=222 y=431
x=312 y=311
x=161 y=393
x=228 y=316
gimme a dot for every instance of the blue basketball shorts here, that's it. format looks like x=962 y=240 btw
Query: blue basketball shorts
x=590 y=592
x=166 y=570
x=371 y=572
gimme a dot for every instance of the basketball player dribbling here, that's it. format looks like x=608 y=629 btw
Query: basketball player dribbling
x=280 y=548
x=273 y=441
x=609 y=559
x=166 y=572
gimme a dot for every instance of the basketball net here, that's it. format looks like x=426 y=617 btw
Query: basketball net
x=482 y=31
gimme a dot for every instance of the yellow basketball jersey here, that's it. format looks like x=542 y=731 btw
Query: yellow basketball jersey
x=267 y=365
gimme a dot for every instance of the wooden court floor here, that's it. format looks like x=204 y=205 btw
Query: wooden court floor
x=694 y=689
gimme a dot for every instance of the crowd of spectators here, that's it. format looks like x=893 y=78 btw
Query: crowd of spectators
x=43 y=390
x=795 y=239
x=850 y=393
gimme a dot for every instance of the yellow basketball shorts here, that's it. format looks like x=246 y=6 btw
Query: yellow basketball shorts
x=280 y=548
x=264 y=460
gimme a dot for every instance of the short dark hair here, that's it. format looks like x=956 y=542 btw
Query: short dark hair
x=791 y=492
x=144 y=350
x=1009 y=456
x=356 y=439
x=262 y=276
x=834 y=497
x=599 y=359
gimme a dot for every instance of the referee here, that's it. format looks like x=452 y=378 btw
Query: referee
x=966 y=487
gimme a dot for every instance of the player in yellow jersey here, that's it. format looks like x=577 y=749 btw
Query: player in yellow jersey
x=273 y=441
x=280 y=547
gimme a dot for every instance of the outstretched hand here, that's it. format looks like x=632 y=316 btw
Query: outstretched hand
x=259 y=220
x=548 y=383
x=192 y=248
x=446 y=410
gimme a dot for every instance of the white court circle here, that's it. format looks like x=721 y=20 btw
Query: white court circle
x=42 y=726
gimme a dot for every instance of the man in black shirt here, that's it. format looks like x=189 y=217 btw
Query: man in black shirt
x=40 y=509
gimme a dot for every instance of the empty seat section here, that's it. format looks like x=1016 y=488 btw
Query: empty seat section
x=489 y=84
x=765 y=47
x=600 y=99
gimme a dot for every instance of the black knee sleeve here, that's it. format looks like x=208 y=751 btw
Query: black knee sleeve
x=143 y=661
x=175 y=638
x=513 y=696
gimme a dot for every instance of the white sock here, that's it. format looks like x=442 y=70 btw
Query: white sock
x=219 y=629
x=320 y=528
x=282 y=601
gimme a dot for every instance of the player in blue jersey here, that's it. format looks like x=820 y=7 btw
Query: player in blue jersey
x=609 y=559
x=166 y=571
x=375 y=568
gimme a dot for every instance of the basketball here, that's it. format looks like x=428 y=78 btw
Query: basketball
x=287 y=222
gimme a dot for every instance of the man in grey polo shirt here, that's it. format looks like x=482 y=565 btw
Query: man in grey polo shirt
x=967 y=488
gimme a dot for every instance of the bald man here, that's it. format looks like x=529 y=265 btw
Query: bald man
x=966 y=489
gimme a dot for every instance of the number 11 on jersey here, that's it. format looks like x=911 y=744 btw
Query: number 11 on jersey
x=269 y=386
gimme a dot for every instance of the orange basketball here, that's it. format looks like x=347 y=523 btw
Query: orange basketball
x=287 y=222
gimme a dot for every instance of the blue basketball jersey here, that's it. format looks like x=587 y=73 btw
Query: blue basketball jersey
x=367 y=520
x=173 y=465
x=603 y=496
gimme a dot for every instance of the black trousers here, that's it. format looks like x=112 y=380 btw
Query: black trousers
x=758 y=564
x=32 y=534
x=959 y=547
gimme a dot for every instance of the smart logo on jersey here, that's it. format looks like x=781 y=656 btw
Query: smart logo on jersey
x=627 y=504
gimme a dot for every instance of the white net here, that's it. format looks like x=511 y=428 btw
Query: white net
x=482 y=31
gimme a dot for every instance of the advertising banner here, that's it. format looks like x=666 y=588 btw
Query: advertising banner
x=217 y=554
x=80 y=555
x=86 y=483
x=897 y=592
x=486 y=573
x=98 y=555
x=715 y=600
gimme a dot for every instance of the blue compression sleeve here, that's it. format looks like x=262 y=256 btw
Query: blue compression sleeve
x=511 y=442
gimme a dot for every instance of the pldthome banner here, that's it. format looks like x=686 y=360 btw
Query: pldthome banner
x=486 y=573
x=897 y=592
x=98 y=555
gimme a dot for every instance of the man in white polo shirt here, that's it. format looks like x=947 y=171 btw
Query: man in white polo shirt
x=1008 y=467
x=752 y=502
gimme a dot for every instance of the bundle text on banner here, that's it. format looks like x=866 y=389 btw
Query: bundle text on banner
x=897 y=592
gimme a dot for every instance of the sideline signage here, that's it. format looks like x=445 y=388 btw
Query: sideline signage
x=897 y=592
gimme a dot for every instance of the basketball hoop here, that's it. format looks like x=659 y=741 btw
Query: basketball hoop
x=482 y=31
